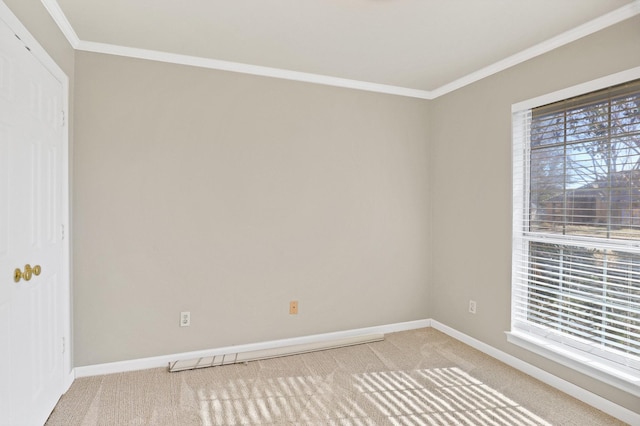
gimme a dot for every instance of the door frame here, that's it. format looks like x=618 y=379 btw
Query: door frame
x=64 y=297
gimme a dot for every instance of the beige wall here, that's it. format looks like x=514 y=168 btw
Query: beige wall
x=470 y=166
x=228 y=195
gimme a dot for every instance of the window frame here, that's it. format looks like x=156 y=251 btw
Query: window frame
x=550 y=346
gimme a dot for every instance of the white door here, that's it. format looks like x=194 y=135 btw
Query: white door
x=31 y=150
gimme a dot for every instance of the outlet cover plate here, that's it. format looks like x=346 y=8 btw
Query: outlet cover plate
x=185 y=319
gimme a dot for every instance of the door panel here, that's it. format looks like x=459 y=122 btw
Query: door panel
x=4 y=191
x=31 y=139
x=5 y=367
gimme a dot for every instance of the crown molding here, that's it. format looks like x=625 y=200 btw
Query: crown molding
x=567 y=37
x=216 y=64
x=593 y=26
x=61 y=20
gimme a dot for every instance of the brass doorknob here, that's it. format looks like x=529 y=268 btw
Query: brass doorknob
x=27 y=274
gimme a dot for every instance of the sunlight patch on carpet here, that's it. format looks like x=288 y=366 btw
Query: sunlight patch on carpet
x=440 y=396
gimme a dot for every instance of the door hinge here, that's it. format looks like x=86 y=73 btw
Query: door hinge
x=23 y=43
x=63 y=118
x=62 y=232
x=64 y=346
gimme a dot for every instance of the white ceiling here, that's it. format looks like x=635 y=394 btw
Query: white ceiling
x=421 y=45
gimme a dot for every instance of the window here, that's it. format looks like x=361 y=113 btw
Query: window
x=576 y=245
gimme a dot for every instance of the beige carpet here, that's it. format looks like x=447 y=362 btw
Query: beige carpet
x=419 y=377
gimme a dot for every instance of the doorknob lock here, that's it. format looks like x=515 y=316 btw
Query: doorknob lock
x=27 y=274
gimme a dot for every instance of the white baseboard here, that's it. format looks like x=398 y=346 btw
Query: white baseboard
x=163 y=361
x=569 y=388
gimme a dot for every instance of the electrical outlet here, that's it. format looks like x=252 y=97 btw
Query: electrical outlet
x=185 y=319
x=293 y=307
x=472 y=306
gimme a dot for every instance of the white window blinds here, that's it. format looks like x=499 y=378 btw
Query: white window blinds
x=576 y=253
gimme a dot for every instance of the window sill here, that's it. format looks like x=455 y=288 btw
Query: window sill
x=619 y=377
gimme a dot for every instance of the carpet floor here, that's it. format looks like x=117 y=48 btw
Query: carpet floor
x=417 y=377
